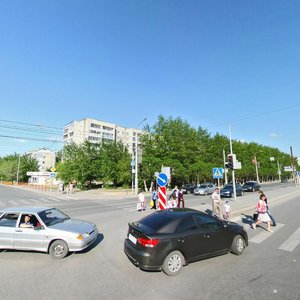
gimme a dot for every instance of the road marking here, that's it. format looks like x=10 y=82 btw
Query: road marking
x=14 y=203
x=292 y=242
x=24 y=201
x=265 y=234
x=120 y=203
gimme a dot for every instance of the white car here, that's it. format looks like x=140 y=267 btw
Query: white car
x=205 y=189
x=44 y=229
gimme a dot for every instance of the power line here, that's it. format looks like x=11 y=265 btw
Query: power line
x=32 y=139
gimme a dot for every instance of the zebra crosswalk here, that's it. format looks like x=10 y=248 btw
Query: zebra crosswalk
x=35 y=201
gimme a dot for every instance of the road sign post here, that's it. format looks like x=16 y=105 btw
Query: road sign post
x=162 y=181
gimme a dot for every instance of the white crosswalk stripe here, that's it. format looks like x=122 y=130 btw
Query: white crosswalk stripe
x=259 y=238
x=292 y=242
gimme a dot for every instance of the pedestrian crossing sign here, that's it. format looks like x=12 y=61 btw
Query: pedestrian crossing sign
x=217 y=173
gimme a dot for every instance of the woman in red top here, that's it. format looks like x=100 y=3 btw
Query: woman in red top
x=263 y=215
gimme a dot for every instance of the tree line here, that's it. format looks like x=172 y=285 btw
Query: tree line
x=171 y=142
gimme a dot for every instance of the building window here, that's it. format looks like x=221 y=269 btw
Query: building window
x=95 y=125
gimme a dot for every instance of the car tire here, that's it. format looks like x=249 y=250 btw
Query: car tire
x=173 y=263
x=58 y=249
x=238 y=245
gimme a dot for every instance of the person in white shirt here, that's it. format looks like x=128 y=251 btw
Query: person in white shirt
x=216 y=203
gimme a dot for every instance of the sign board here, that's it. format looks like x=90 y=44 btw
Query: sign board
x=41 y=174
x=53 y=169
x=217 y=173
x=162 y=179
x=52 y=174
x=288 y=169
x=167 y=171
x=298 y=173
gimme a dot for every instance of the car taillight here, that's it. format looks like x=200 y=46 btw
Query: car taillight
x=148 y=242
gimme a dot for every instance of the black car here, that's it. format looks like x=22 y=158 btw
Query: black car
x=169 y=239
x=251 y=186
x=188 y=188
x=227 y=190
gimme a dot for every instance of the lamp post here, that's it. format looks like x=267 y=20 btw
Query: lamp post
x=136 y=181
x=18 y=170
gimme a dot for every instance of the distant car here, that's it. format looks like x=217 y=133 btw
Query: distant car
x=188 y=188
x=169 y=239
x=227 y=190
x=284 y=180
x=251 y=186
x=49 y=230
x=204 y=189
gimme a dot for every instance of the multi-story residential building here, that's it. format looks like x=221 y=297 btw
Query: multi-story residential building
x=45 y=158
x=97 y=131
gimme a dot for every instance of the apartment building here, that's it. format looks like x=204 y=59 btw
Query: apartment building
x=45 y=158
x=97 y=131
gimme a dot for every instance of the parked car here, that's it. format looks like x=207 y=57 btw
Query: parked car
x=227 y=190
x=188 y=188
x=44 y=229
x=169 y=239
x=251 y=186
x=205 y=189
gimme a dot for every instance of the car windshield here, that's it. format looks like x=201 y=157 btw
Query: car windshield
x=228 y=186
x=52 y=216
x=250 y=183
x=202 y=186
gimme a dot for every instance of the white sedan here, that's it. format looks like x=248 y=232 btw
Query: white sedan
x=44 y=229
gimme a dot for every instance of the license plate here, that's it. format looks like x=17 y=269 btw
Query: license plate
x=132 y=238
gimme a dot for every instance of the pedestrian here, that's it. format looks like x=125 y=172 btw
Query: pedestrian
x=216 y=203
x=263 y=216
x=227 y=209
x=61 y=187
x=180 y=198
x=263 y=197
x=141 y=202
x=154 y=197
x=172 y=202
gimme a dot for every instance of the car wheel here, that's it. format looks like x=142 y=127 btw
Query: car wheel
x=238 y=245
x=58 y=249
x=173 y=263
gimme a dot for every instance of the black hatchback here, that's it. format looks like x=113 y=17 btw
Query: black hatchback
x=169 y=239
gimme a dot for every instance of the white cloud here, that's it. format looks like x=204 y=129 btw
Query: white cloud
x=274 y=135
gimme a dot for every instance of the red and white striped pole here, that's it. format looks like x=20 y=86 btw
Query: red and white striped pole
x=162 y=197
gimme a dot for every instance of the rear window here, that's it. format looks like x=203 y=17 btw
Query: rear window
x=157 y=223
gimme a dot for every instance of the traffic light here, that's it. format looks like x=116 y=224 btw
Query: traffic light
x=231 y=161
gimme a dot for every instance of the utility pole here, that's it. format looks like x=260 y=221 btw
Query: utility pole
x=18 y=171
x=293 y=166
x=136 y=159
x=256 y=169
x=225 y=169
x=233 y=175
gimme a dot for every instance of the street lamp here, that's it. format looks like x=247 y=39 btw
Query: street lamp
x=136 y=159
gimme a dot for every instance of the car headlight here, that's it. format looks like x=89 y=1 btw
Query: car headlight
x=79 y=237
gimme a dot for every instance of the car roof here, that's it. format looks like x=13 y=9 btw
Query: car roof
x=179 y=212
x=25 y=209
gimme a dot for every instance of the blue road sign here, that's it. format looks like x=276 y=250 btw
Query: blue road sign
x=53 y=174
x=217 y=173
x=162 y=179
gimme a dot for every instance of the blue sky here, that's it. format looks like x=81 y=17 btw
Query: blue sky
x=212 y=63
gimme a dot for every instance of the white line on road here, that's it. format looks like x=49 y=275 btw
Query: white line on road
x=265 y=234
x=292 y=242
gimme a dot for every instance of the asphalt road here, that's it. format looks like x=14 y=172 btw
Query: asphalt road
x=268 y=269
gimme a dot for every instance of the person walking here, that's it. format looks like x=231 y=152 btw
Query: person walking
x=227 y=209
x=216 y=203
x=180 y=198
x=263 y=216
x=263 y=197
x=154 y=197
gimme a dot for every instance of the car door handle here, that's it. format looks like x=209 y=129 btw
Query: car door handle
x=19 y=230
